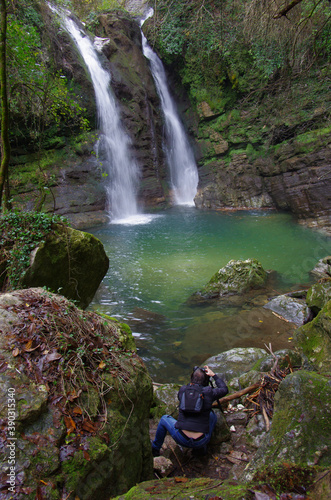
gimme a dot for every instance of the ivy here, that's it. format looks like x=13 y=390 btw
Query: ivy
x=39 y=96
x=21 y=232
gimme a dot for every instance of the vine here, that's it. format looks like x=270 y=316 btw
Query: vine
x=21 y=232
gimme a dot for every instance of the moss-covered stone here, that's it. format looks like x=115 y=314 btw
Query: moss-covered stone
x=69 y=262
x=318 y=295
x=314 y=340
x=285 y=356
x=301 y=424
x=165 y=400
x=235 y=362
x=237 y=277
x=73 y=435
x=169 y=488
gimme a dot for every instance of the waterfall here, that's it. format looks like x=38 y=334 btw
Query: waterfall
x=183 y=169
x=114 y=143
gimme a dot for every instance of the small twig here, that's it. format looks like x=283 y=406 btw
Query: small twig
x=289 y=363
x=180 y=465
x=280 y=317
x=266 y=419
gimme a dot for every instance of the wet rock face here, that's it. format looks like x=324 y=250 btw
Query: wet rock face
x=292 y=309
x=291 y=181
x=134 y=87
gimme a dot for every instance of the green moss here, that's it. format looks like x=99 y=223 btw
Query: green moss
x=236 y=277
x=126 y=337
x=314 y=339
x=295 y=427
x=314 y=135
x=197 y=488
x=77 y=467
x=285 y=477
x=318 y=296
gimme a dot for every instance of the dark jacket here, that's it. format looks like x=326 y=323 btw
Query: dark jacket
x=199 y=422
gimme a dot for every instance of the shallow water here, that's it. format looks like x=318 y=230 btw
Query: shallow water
x=158 y=260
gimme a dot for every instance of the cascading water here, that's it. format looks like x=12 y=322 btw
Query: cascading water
x=183 y=169
x=114 y=142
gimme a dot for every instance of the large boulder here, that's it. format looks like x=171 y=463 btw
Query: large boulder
x=237 y=277
x=314 y=340
x=74 y=401
x=69 y=262
x=300 y=427
x=235 y=362
x=290 y=308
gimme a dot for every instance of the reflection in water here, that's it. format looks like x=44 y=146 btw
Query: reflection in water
x=156 y=266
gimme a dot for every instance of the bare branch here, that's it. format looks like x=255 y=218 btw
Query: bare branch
x=286 y=9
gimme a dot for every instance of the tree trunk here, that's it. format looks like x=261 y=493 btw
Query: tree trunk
x=5 y=145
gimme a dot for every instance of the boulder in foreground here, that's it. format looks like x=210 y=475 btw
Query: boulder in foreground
x=70 y=262
x=81 y=398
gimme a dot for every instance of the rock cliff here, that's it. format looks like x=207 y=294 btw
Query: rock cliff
x=252 y=155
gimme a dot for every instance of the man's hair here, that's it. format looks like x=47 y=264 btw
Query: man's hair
x=200 y=377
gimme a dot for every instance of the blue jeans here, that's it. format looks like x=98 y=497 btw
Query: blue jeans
x=167 y=423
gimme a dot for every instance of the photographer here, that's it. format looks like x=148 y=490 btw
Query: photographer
x=196 y=419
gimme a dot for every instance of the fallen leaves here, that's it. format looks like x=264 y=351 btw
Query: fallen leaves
x=66 y=350
x=236 y=457
x=181 y=479
x=53 y=356
x=15 y=352
x=70 y=424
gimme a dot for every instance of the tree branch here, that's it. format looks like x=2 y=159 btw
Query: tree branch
x=238 y=394
x=286 y=9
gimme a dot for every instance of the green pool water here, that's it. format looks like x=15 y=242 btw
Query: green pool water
x=159 y=260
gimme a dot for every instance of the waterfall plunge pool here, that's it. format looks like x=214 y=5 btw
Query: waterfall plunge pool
x=158 y=261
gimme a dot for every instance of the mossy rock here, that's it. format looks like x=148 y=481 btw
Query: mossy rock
x=165 y=400
x=284 y=357
x=237 y=277
x=301 y=424
x=77 y=430
x=69 y=262
x=183 y=487
x=235 y=362
x=314 y=340
x=318 y=295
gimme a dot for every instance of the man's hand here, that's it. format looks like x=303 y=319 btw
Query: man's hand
x=209 y=372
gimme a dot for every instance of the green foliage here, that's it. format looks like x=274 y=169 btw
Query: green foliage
x=39 y=95
x=21 y=232
x=223 y=51
x=172 y=38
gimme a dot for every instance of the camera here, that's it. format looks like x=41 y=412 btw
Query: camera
x=202 y=369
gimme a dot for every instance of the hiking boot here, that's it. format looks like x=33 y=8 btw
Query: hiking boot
x=155 y=451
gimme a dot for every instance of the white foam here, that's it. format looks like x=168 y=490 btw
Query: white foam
x=134 y=220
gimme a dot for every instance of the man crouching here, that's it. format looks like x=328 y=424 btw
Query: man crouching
x=196 y=419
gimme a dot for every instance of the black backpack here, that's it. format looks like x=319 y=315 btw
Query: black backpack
x=192 y=399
